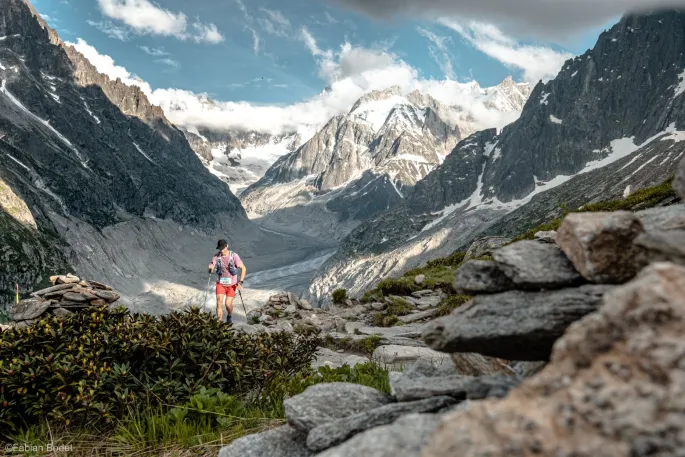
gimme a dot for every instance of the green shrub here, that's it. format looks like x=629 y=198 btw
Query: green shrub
x=339 y=295
x=364 y=345
x=643 y=198
x=397 y=286
x=96 y=367
x=382 y=320
x=449 y=304
x=399 y=307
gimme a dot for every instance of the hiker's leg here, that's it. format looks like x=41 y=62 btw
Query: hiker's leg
x=229 y=304
x=220 y=306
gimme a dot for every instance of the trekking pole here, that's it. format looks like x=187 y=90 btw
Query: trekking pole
x=241 y=301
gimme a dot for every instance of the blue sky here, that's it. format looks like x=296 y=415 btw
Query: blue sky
x=268 y=61
x=233 y=68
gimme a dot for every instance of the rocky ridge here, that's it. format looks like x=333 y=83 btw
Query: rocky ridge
x=579 y=139
x=603 y=375
x=365 y=161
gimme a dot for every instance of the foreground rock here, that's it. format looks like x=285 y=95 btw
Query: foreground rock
x=283 y=441
x=324 y=403
x=614 y=386
x=536 y=265
x=481 y=277
x=333 y=433
x=662 y=246
x=405 y=437
x=513 y=325
x=600 y=245
x=424 y=380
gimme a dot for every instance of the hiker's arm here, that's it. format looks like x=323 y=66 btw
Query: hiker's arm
x=243 y=272
x=212 y=264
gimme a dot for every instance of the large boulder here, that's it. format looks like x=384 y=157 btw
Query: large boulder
x=333 y=433
x=513 y=325
x=283 y=441
x=600 y=245
x=481 y=277
x=322 y=403
x=406 y=437
x=535 y=265
x=614 y=386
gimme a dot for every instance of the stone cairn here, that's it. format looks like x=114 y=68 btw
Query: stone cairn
x=68 y=294
x=572 y=345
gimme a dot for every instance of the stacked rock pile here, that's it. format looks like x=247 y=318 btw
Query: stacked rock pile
x=596 y=312
x=68 y=294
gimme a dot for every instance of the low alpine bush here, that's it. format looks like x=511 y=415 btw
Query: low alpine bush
x=98 y=367
x=339 y=295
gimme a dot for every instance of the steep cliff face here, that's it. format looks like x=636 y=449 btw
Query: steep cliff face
x=78 y=148
x=613 y=118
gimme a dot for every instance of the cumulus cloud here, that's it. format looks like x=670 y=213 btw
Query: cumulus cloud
x=439 y=51
x=537 y=62
x=349 y=72
x=145 y=17
x=542 y=18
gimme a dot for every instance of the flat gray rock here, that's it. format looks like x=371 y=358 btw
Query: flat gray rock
x=406 y=355
x=481 y=277
x=59 y=287
x=662 y=246
x=30 y=308
x=670 y=217
x=535 y=265
x=334 y=433
x=513 y=325
x=324 y=403
x=404 y=331
x=418 y=316
x=283 y=441
x=485 y=246
x=423 y=380
x=406 y=437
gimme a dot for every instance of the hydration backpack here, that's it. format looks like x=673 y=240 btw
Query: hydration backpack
x=232 y=270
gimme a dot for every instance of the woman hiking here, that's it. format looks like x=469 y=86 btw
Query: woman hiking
x=225 y=264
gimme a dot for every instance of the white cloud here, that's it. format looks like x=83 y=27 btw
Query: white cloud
x=111 y=30
x=170 y=62
x=439 y=51
x=349 y=72
x=157 y=52
x=256 y=40
x=310 y=42
x=275 y=23
x=145 y=17
x=543 y=18
x=537 y=62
